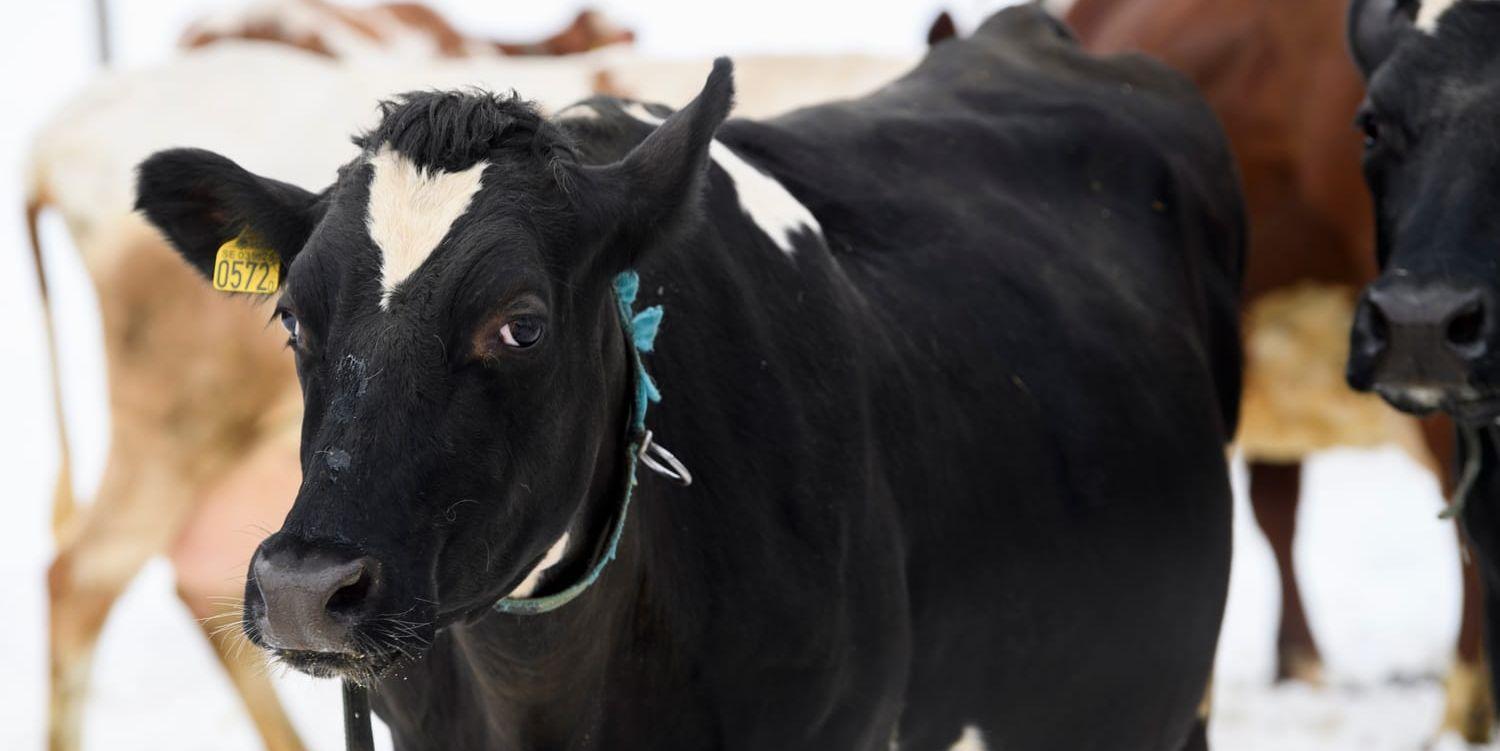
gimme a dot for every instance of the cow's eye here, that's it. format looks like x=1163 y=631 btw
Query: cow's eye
x=292 y=325
x=522 y=332
x=1369 y=124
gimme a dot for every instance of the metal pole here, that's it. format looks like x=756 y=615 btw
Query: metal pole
x=357 y=733
x=101 y=31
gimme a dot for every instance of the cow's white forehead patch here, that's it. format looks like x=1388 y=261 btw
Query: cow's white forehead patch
x=411 y=210
x=1431 y=11
x=764 y=200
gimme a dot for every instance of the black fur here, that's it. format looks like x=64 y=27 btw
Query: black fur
x=1376 y=27
x=959 y=457
x=453 y=130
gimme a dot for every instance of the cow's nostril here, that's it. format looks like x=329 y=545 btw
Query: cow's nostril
x=1466 y=327
x=354 y=592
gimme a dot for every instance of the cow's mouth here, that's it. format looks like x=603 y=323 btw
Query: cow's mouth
x=362 y=668
x=1464 y=404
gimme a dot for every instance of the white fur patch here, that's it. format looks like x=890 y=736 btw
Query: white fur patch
x=411 y=210
x=552 y=558
x=579 y=111
x=971 y=740
x=766 y=202
x=1427 y=397
x=1431 y=11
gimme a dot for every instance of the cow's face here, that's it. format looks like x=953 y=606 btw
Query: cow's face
x=1427 y=332
x=464 y=369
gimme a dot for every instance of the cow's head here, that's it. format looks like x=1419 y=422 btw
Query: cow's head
x=464 y=369
x=1427 y=332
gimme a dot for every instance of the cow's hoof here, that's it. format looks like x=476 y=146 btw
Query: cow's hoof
x=1295 y=664
x=1467 y=711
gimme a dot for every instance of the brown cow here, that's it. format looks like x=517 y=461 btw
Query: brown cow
x=1281 y=79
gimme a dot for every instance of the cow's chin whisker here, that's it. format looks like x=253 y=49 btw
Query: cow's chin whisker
x=380 y=649
x=362 y=669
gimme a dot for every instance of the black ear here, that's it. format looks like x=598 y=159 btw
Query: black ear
x=1375 y=27
x=941 y=30
x=657 y=189
x=200 y=200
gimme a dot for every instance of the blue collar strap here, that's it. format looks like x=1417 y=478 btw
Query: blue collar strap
x=640 y=331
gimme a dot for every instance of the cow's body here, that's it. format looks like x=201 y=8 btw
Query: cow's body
x=959 y=452
x=1280 y=78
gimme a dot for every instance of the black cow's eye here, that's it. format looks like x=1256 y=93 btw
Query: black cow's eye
x=522 y=332
x=1369 y=124
x=292 y=325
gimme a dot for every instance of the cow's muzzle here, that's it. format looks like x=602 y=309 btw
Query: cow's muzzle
x=304 y=600
x=1421 y=344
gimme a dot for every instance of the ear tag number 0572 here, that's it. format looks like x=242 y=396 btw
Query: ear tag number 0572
x=243 y=267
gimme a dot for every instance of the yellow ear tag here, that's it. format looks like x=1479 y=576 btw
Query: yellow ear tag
x=244 y=267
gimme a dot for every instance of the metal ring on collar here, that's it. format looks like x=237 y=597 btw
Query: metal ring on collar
x=661 y=461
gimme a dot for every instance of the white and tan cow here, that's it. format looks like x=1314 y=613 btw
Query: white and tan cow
x=387 y=30
x=189 y=481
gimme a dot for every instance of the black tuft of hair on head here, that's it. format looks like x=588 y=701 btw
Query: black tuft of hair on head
x=454 y=130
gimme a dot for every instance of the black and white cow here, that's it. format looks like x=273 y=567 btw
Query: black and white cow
x=1427 y=332
x=954 y=366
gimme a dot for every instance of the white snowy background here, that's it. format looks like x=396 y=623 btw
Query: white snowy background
x=1379 y=571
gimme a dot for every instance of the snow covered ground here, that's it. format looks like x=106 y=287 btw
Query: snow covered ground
x=1380 y=572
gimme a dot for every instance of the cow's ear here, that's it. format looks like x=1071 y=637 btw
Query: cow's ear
x=657 y=189
x=1375 y=27
x=942 y=29
x=201 y=200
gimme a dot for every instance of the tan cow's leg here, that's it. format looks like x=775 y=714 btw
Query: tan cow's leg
x=64 y=505
x=246 y=666
x=211 y=556
x=1468 y=710
x=1275 y=491
x=134 y=517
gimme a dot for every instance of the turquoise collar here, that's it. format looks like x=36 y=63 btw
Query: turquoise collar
x=640 y=330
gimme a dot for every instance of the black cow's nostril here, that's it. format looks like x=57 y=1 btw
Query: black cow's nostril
x=1466 y=327
x=355 y=593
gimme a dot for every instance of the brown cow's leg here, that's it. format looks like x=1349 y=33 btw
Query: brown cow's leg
x=211 y=555
x=1468 y=710
x=246 y=666
x=1274 y=493
x=64 y=505
x=133 y=518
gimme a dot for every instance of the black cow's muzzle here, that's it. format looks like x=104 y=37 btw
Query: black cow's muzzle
x=1423 y=344
x=311 y=605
